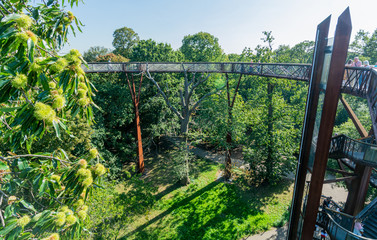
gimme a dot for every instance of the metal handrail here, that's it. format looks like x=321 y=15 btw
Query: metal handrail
x=355 y=150
x=278 y=70
x=365 y=212
x=341 y=230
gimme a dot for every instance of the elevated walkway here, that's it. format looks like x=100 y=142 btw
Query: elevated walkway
x=276 y=70
x=358 y=151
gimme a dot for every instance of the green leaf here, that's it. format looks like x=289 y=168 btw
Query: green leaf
x=57 y=129
x=44 y=81
x=22 y=164
x=10 y=109
x=3 y=166
x=14 y=233
x=10 y=17
x=28 y=205
x=36 y=182
x=8 y=228
x=30 y=49
x=43 y=187
x=3 y=82
x=25 y=236
x=64 y=153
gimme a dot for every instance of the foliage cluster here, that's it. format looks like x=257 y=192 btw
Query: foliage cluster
x=45 y=98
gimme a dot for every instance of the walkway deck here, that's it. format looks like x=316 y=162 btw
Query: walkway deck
x=277 y=70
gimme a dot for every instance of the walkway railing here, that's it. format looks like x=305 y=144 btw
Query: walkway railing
x=338 y=225
x=356 y=81
x=277 y=70
x=355 y=150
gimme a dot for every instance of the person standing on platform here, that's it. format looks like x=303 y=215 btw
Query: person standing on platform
x=356 y=62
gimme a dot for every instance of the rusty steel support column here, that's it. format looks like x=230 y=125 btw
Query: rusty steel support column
x=335 y=77
x=355 y=120
x=307 y=131
x=358 y=190
x=359 y=186
x=136 y=100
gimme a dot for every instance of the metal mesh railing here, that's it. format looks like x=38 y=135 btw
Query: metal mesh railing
x=355 y=150
x=356 y=81
x=278 y=70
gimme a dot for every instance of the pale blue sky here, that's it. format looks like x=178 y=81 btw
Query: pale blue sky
x=236 y=23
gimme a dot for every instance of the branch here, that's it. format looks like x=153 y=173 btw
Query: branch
x=27 y=99
x=2 y=13
x=181 y=96
x=52 y=54
x=202 y=80
x=54 y=198
x=1 y=5
x=4 y=194
x=205 y=96
x=1 y=212
x=227 y=89
x=148 y=75
x=235 y=92
x=193 y=79
x=31 y=192
x=5 y=122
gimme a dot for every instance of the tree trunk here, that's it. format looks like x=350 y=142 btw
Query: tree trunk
x=228 y=159
x=184 y=125
x=186 y=179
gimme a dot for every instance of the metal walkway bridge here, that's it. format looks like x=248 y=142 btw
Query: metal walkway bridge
x=361 y=82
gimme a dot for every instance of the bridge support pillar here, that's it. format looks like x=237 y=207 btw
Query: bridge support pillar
x=358 y=190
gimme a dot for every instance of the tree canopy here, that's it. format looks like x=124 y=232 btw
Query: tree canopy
x=124 y=40
x=201 y=47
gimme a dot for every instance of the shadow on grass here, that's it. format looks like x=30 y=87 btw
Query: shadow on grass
x=217 y=211
x=172 y=208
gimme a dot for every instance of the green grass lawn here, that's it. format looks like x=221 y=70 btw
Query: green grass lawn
x=157 y=208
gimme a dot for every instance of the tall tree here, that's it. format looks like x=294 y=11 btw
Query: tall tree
x=201 y=47
x=188 y=107
x=231 y=101
x=124 y=40
x=92 y=53
x=357 y=47
x=151 y=51
x=370 y=48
